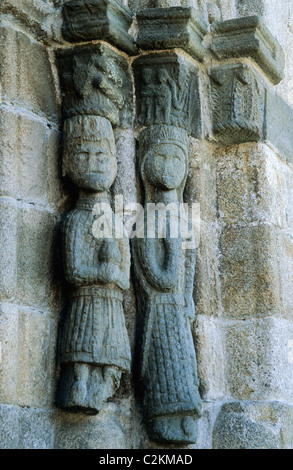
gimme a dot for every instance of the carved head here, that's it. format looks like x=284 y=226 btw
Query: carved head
x=164 y=157
x=89 y=152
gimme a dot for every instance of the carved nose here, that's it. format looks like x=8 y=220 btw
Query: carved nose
x=92 y=162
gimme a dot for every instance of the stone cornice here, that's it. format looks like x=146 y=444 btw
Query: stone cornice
x=249 y=37
x=173 y=27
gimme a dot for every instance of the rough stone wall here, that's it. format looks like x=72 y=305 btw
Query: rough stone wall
x=244 y=274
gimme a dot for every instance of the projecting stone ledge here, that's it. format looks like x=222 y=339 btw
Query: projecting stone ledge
x=249 y=37
x=109 y=20
x=173 y=27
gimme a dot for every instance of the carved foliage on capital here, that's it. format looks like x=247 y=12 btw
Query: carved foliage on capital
x=96 y=80
x=238 y=104
x=167 y=92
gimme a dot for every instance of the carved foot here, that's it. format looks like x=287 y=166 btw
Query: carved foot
x=174 y=429
x=84 y=388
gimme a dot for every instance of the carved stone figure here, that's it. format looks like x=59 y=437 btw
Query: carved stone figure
x=164 y=274
x=94 y=347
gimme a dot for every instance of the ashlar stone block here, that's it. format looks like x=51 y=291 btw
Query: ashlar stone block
x=8 y=353
x=258 y=358
x=254 y=426
x=28 y=159
x=25 y=73
x=35 y=379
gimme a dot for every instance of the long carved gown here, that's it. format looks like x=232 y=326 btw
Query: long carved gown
x=94 y=331
x=168 y=368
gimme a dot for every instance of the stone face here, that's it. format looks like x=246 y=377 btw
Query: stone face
x=249 y=37
x=253 y=426
x=21 y=59
x=96 y=81
x=167 y=91
x=238 y=104
x=109 y=20
x=167 y=28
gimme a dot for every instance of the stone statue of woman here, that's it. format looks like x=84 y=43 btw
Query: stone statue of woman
x=164 y=274
x=94 y=347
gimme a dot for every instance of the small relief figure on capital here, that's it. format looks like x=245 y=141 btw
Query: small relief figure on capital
x=164 y=275
x=94 y=346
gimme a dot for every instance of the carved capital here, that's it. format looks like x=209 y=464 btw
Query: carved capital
x=108 y=20
x=96 y=81
x=167 y=28
x=167 y=91
x=238 y=98
x=249 y=37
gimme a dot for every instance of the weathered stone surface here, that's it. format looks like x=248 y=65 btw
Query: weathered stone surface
x=279 y=122
x=258 y=365
x=252 y=185
x=36 y=357
x=8 y=354
x=38 y=284
x=109 y=20
x=104 y=431
x=9 y=427
x=254 y=426
x=36 y=429
x=249 y=37
x=29 y=160
x=37 y=15
x=209 y=337
x=22 y=58
x=96 y=81
x=8 y=249
x=167 y=91
x=173 y=27
x=249 y=267
x=238 y=98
